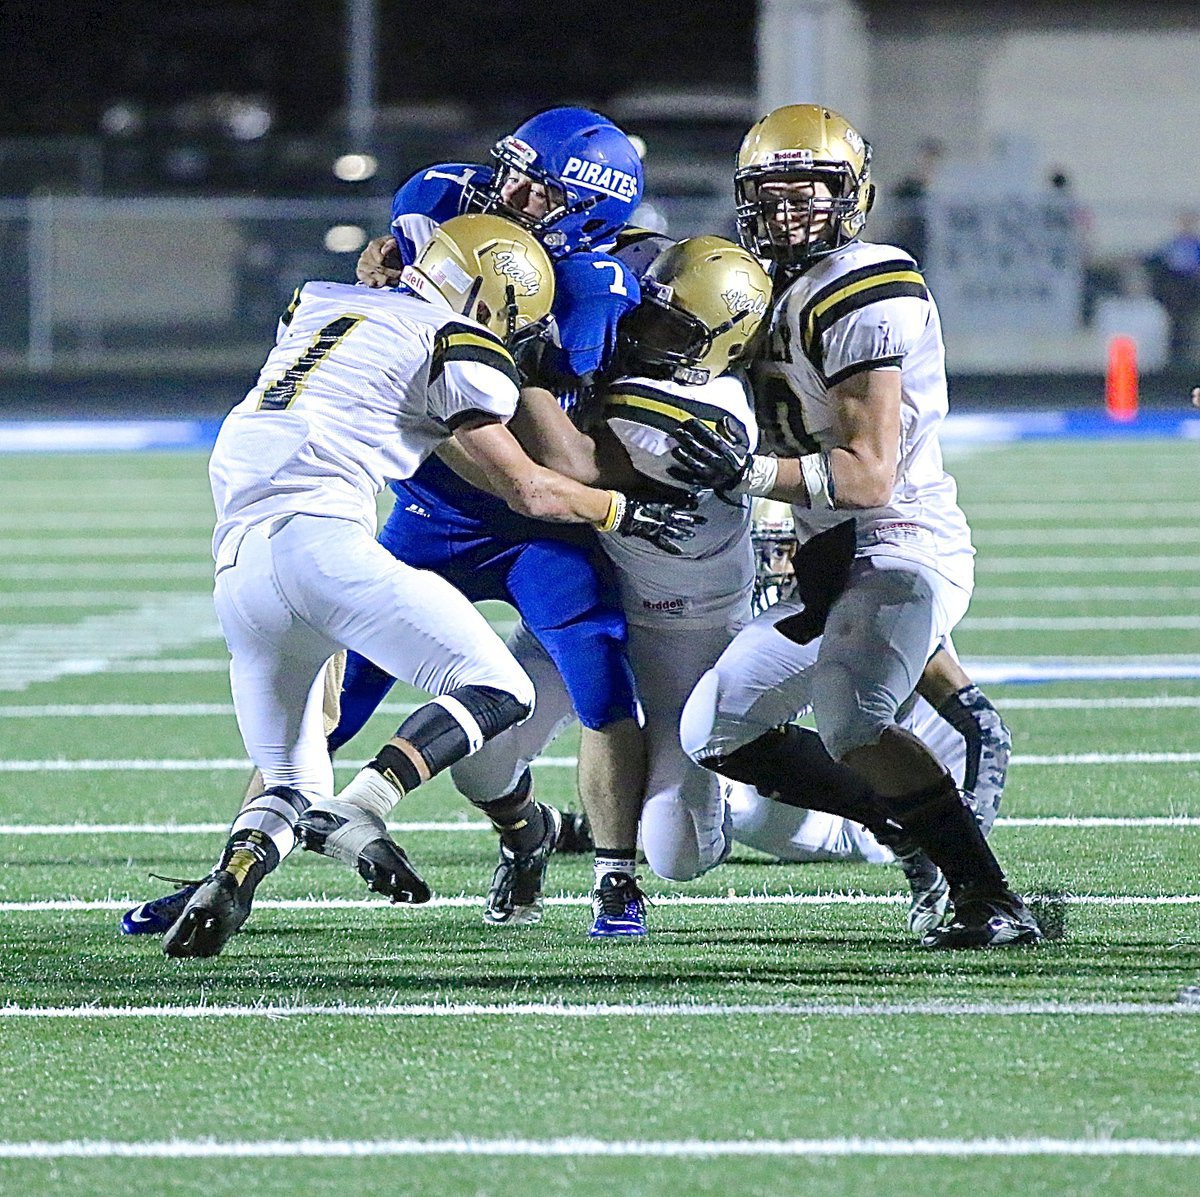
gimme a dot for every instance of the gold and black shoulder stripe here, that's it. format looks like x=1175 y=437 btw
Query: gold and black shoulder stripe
x=286 y=318
x=893 y=279
x=658 y=409
x=455 y=342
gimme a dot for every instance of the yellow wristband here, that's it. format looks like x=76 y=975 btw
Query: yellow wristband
x=616 y=512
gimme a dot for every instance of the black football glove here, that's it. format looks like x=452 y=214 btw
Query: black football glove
x=711 y=459
x=664 y=525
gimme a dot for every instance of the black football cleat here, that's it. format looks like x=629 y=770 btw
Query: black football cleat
x=575 y=834
x=515 y=896
x=221 y=903
x=983 y=920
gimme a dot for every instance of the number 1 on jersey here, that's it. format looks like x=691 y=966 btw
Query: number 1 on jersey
x=281 y=394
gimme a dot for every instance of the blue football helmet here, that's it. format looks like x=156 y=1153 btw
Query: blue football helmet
x=591 y=172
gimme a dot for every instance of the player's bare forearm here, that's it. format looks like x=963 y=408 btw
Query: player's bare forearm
x=548 y=436
x=452 y=454
x=864 y=463
x=529 y=488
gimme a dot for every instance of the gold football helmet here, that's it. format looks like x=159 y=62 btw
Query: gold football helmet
x=802 y=143
x=703 y=300
x=487 y=268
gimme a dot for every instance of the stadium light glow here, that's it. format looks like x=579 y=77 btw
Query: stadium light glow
x=355 y=168
x=345 y=239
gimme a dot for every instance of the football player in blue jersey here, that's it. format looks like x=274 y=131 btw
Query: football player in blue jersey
x=573 y=179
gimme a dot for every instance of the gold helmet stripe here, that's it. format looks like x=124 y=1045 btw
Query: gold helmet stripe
x=462 y=343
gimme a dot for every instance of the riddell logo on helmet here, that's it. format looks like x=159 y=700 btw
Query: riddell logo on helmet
x=788 y=158
x=522 y=151
x=514 y=266
x=617 y=183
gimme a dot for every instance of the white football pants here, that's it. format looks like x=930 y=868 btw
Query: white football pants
x=313 y=586
x=684 y=821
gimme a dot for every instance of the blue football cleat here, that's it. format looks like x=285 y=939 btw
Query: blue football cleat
x=159 y=915
x=618 y=908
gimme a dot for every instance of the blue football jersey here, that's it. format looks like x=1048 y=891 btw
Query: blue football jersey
x=593 y=290
x=428 y=198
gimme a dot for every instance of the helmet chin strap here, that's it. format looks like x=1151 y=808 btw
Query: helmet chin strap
x=510 y=312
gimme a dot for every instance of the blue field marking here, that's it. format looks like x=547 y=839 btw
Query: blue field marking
x=1087 y=424
x=94 y=436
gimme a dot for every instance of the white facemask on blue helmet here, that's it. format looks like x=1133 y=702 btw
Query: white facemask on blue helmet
x=590 y=169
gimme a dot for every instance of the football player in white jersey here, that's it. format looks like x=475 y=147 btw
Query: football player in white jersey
x=949 y=714
x=360 y=388
x=703 y=300
x=850 y=395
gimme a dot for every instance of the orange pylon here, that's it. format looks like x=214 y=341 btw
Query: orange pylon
x=1121 y=381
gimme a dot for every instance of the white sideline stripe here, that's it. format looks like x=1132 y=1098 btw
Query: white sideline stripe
x=154 y=710
x=240 y=764
x=1151 y=702
x=471 y=901
x=475 y=826
x=98 y=570
x=1008 y=594
x=1038 y=511
x=91 y=598
x=610 y=1010
x=106 y=520
x=647 y=1148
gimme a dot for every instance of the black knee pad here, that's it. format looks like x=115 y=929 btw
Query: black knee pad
x=791 y=765
x=451 y=727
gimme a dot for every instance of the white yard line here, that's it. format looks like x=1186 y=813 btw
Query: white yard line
x=92 y=598
x=985 y=670
x=1142 y=703
x=153 y=710
x=475 y=826
x=241 y=764
x=1034 y=594
x=1109 y=566
x=472 y=901
x=15 y=547
x=1105 y=534
x=565 y=1147
x=946 y=1008
x=76 y=572
x=1080 y=623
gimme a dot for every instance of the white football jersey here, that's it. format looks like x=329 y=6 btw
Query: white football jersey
x=716 y=569
x=866 y=307
x=361 y=386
